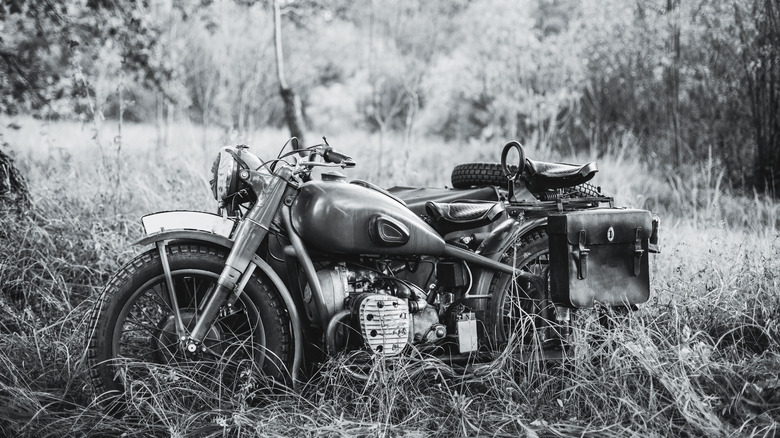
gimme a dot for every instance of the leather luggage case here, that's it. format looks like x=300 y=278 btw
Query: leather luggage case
x=599 y=255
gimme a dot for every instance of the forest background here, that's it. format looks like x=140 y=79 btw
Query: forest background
x=688 y=79
x=110 y=109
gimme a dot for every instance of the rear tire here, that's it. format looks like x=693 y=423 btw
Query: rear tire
x=518 y=310
x=133 y=326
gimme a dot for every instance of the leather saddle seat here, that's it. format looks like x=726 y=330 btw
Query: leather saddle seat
x=463 y=214
x=542 y=176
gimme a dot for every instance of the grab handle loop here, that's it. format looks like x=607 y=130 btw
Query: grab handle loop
x=520 y=162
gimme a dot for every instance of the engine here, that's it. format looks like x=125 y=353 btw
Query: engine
x=387 y=311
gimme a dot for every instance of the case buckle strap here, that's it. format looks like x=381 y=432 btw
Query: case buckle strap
x=582 y=261
x=638 y=252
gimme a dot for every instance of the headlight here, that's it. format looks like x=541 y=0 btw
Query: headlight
x=224 y=174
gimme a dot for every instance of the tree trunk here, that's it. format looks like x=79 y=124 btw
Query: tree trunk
x=169 y=124
x=760 y=39
x=159 y=119
x=292 y=112
x=673 y=79
x=13 y=187
x=292 y=104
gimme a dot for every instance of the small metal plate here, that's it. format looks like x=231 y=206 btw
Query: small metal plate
x=187 y=220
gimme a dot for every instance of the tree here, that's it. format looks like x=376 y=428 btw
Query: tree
x=13 y=186
x=30 y=61
x=673 y=77
x=759 y=26
x=292 y=104
x=509 y=78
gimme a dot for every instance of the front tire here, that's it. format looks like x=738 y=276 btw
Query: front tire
x=132 y=334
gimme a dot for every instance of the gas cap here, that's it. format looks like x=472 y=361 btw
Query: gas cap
x=333 y=176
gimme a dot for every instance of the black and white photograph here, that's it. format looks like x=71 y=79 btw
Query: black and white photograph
x=400 y=218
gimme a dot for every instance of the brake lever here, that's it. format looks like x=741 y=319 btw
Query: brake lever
x=318 y=164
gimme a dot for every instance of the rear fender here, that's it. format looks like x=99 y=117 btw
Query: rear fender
x=161 y=238
x=496 y=244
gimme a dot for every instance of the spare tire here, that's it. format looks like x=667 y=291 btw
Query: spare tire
x=469 y=175
x=479 y=175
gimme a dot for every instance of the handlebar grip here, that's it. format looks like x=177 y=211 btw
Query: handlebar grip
x=334 y=157
x=520 y=162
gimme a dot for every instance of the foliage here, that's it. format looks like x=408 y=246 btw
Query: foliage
x=685 y=77
x=53 y=42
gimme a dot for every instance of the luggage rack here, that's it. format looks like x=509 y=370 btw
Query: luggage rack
x=542 y=208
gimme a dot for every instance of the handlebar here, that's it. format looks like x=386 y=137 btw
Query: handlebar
x=330 y=157
x=334 y=157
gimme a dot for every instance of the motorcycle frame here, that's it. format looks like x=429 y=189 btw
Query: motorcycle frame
x=188 y=227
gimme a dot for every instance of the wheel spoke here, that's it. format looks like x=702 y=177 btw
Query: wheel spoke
x=148 y=333
x=142 y=327
x=519 y=303
x=142 y=342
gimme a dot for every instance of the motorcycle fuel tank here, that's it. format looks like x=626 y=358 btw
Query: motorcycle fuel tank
x=334 y=216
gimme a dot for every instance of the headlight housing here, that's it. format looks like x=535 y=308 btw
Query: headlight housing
x=224 y=176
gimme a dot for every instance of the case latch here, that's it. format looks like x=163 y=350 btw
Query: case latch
x=638 y=252
x=582 y=262
x=654 y=245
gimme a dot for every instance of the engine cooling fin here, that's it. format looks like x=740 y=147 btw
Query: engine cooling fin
x=385 y=323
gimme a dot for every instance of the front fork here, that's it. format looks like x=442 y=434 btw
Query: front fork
x=251 y=231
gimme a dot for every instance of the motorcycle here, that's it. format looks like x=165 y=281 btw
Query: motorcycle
x=297 y=267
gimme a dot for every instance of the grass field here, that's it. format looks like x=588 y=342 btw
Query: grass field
x=700 y=359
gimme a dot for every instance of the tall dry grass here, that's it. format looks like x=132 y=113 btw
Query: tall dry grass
x=700 y=359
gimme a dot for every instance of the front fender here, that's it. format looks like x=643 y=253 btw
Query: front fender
x=211 y=227
x=196 y=236
x=190 y=226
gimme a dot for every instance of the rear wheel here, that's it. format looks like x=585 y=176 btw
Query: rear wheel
x=519 y=309
x=133 y=336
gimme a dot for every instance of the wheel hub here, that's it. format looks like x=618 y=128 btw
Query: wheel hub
x=169 y=347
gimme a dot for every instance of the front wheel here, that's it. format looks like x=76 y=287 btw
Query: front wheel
x=133 y=337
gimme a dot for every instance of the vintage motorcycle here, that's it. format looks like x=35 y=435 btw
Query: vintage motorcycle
x=297 y=267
